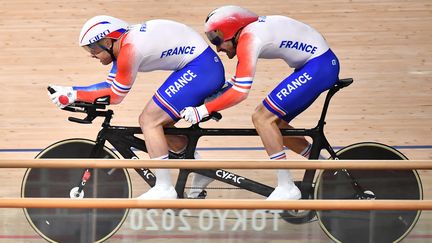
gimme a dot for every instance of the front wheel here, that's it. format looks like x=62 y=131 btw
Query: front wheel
x=75 y=225
x=374 y=225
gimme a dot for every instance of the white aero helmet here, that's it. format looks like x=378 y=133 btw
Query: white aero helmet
x=100 y=27
x=223 y=23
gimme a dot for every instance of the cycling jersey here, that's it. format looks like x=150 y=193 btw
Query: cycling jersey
x=279 y=37
x=161 y=45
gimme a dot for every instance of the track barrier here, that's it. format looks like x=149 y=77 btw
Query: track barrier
x=218 y=203
x=213 y=164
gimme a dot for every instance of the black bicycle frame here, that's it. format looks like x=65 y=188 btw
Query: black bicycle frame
x=123 y=139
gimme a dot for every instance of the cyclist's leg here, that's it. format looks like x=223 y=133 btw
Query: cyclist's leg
x=265 y=123
x=152 y=121
x=297 y=144
x=190 y=85
x=176 y=143
x=199 y=183
x=291 y=97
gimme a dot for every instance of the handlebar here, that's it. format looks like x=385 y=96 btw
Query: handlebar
x=92 y=111
x=213 y=116
x=97 y=109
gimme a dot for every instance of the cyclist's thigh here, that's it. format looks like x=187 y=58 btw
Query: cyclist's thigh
x=156 y=115
x=300 y=89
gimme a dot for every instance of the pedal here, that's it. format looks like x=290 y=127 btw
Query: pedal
x=173 y=155
x=201 y=195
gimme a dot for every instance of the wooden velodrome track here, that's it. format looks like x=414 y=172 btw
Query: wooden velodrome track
x=384 y=45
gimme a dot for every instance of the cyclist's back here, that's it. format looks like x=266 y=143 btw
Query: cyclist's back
x=285 y=38
x=155 y=47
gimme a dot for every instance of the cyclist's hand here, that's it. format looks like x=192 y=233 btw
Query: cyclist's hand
x=194 y=114
x=62 y=96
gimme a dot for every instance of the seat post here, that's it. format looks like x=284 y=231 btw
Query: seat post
x=329 y=95
x=341 y=83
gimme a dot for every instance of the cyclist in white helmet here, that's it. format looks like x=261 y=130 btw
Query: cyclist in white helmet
x=153 y=45
x=242 y=33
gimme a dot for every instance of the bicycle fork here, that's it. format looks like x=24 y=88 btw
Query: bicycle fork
x=78 y=192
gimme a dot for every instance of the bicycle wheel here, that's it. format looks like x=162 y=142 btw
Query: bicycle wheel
x=75 y=225
x=374 y=225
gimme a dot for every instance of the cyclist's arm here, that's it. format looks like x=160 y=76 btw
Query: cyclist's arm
x=91 y=92
x=229 y=98
x=118 y=83
x=242 y=80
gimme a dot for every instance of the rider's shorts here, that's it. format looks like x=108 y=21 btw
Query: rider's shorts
x=299 y=90
x=190 y=85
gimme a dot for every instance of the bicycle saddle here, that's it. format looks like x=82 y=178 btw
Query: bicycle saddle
x=344 y=82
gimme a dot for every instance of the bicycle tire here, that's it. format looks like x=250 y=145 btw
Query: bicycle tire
x=374 y=225
x=75 y=225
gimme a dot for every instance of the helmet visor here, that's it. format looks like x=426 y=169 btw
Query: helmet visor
x=94 y=48
x=215 y=37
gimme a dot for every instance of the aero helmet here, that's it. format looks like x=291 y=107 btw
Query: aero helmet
x=100 y=27
x=223 y=23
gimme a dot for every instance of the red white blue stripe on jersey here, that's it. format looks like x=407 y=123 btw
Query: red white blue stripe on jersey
x=232 y=80
x=278 y=156
x=110 y=78
x=167 y=106
x=243 y=84
x=274 y=106
x=120 y=89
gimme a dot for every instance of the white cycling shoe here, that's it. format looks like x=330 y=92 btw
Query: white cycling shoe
x=159 y=192
x=285 y=193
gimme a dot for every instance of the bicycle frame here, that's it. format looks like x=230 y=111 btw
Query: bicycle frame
x=123 y=139
x=330 y=184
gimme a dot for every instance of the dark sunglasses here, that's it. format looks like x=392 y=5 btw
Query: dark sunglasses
x=95 y=48
x=215 y=37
